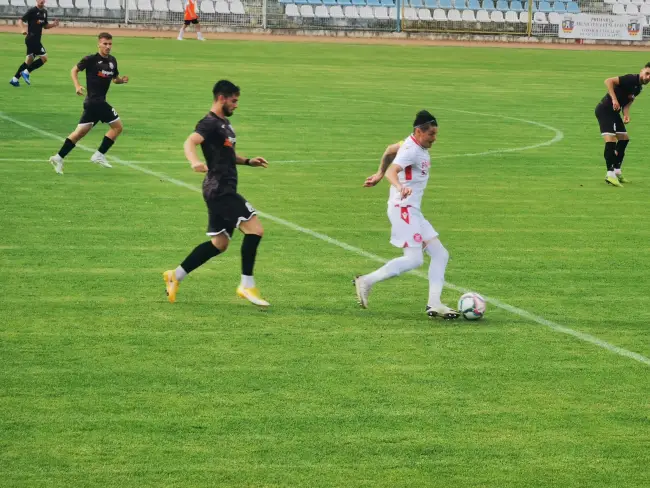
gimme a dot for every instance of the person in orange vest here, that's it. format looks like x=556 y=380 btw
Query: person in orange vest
x=191 y=18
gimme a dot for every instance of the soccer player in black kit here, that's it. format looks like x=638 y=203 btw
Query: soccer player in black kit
x=621 y=92
x=227 y=209
x=36 y=18
x=101 y=71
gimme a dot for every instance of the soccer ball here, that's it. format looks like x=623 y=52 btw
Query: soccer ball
x=472 y=306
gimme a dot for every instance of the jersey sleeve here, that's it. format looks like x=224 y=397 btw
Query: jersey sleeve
x=403 y=158
x=627 y=81
x=29 y=15
x=208 y=128
x=83 y=64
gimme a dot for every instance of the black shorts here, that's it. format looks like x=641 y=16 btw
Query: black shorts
x=226 y=212
x=35 y=48
x=610 y=122
x=98 y=112
x=193 y=21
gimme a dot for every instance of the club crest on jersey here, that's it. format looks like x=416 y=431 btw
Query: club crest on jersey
x=417 y=238
x=110 y=65
x=425 y=167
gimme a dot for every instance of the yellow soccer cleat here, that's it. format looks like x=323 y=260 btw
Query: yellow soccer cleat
x=172 y=284
x=612 y=180
x=252 y=295
x=622 y=179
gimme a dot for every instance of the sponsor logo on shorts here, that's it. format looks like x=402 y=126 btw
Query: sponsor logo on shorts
x=404 y=214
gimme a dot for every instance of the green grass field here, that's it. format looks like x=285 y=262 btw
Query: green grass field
x=105 y=384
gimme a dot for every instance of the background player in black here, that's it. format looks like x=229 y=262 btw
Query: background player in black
x=621 y=92
x=227 y=209
x=101 y=69
x=36 y=18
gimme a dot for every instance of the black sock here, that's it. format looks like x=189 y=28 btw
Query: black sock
x=248 y=253
x=201 y=254
x=35 y=65
x=610 y=155
x=20 y=70
x=620 y=153
x=106 y=145
x=68 y=146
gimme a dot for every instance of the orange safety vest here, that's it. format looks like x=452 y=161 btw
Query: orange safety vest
x=190 y=10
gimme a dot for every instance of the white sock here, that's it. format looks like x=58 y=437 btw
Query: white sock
x=617 y=171
x=26 y=71
x=439 y=258
x=180 y=34
x=247 y=281
x=180 y=273
x=199 y=36
x=611 y=174
x=14 y=79
x=412 y=259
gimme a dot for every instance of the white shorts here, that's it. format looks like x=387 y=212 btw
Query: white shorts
x=409 y=228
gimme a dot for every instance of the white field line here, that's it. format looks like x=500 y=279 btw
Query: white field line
x=373 y=257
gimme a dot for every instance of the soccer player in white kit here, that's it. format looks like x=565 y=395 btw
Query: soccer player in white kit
x=408 y=175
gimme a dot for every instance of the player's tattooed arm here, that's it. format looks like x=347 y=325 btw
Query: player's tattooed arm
x=386 y=160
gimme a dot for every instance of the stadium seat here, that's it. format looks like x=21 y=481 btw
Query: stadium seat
x=624 y=2
x=512 y=17
x=409 y=13
x=21 y=3
x=638 y=2
x=374 y=3
x=344 y=3
x=237 y=8
x=291 y=10
x=207 y=7
x=526 y=7
x=416 y=4
x=474 y=5
x=62 y=3
x=314 y=2
x=445 y=4
x=359 y=3
x=458 y=4
x=351 y=12
x=387 y=3
x=572 y=8
x=503 y=5
x=454 y=15
x=4 y=3
x=540 y=18
x=439 y=15
x=336 y=12
x=82 y=4
x=554 y=18
x=329 y=2
x=306 y=11
x=115 y=5
x=132 y=4
x=488 y=5
x=301 y=2
x=645 y=9
x=631 y=9
x=366 y=12
x=545 y=7
x=618 y=9
x=160 y=6
x=30 y=3
x=381 y=13
x=432 y=4
x=483 y=16
x=523 y=17
x=516 y=6
x=468 y=16
x=610 y=2
x=222 y=7
x=97 y=4
x=143 y=5
x=497 y=16
x=392 y=13
x=559 y=7
x=425 y=14
x=321 y=12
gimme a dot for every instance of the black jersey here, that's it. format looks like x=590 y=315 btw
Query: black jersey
x=100 y=71
x=628 y=88
x=36 y=21
x=219 y=152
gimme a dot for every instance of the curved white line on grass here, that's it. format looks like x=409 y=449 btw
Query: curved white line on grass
x=323 y=237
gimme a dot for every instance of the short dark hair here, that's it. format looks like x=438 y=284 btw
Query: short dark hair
x=225 y=88
x=647 y=65
x=424 y=120
x=104 y=35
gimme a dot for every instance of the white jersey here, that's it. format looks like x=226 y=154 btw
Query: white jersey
x=415 y=163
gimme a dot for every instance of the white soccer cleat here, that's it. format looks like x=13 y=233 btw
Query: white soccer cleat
x=442 y=311
x=57 y=163
x=252 y=295
x=100 y=159
x=179 y=38
x=363 y=290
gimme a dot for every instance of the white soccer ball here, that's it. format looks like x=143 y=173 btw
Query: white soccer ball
x=471 y=306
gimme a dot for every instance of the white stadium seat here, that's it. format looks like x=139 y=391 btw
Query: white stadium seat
x=454 y=15
x=207 y=7
x=62 y=3
x=618 y=9
x=321 y=12
x=523 y=17
x=381 y=13
x=468 y=16
x=336 y=12
x=97 y=4
x=21 y=3
x=497 y=16
x=624 y=1
x=145 y=5
x=439 y=15
x=237 y=8
x=132 y=4
x=160 y=6
x=4 y=3
x=82 y=4
x=175 y=6
x=554 y=18
x=540 y=18
x=291 y=10
x=222 y=7
x=424 y=14
x=645 y=9
x=610 y=2
x=637 y=2
x=512 y=17
x=30 y=3
x=483 y=16
x=631 y=9
x=392 y=13
x=306 y=11
x=410 y=14
x=351 y=12
x=366 y=13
